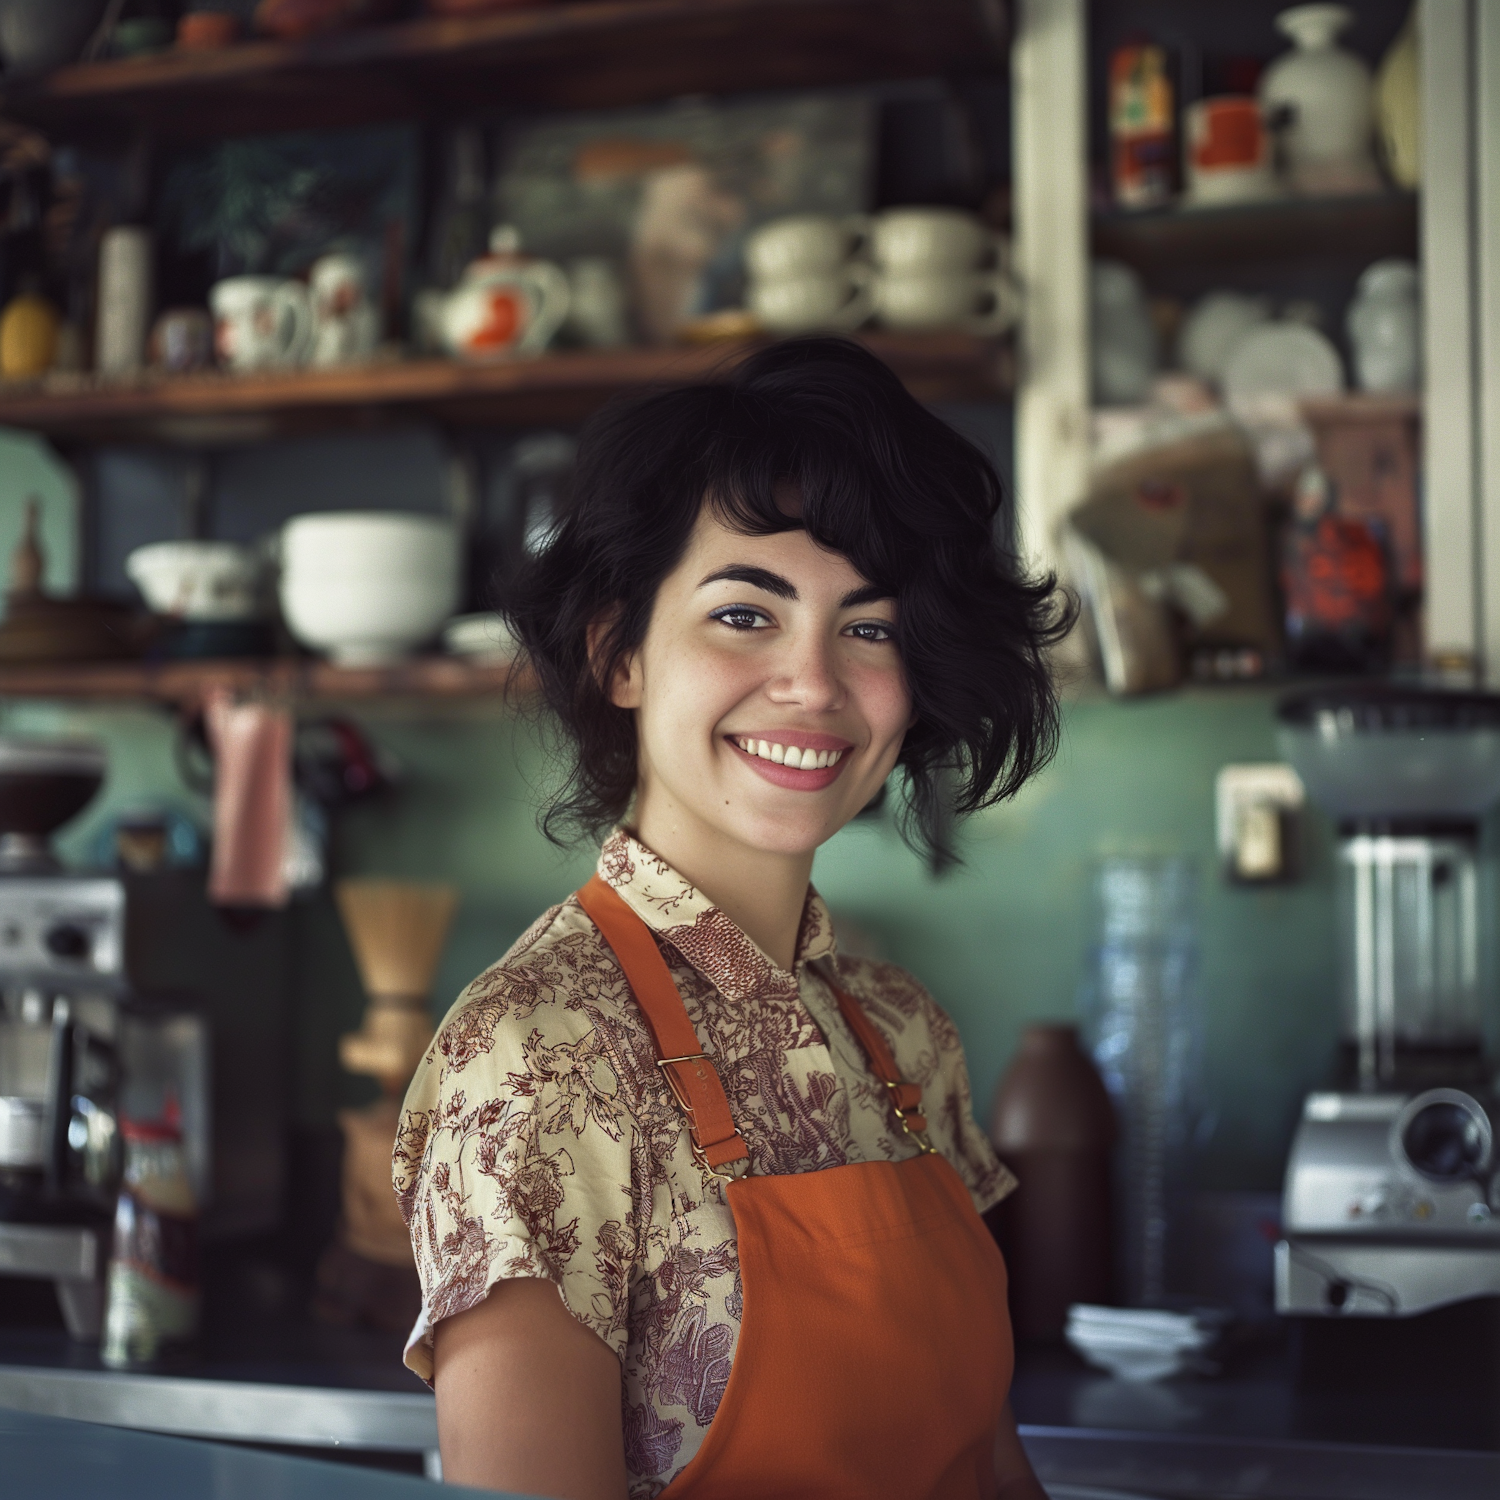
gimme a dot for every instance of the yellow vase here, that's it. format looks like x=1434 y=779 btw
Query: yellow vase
x=28 y=336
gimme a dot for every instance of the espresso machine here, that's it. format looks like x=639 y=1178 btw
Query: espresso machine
x=1391 y=1203
x=79 y=1051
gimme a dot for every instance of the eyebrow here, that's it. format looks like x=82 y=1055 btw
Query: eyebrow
x=784 y=588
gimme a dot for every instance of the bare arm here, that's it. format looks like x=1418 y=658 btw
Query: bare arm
x=1014 y=1479
x=528 y=1398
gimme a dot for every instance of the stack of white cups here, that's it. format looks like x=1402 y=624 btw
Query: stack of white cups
x=932 y=268
x=941 y=268
x=806 y=275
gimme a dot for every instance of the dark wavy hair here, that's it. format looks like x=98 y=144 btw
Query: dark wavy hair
x=913 y=506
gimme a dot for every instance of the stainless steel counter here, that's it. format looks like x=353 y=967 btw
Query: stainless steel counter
x=242 y=1411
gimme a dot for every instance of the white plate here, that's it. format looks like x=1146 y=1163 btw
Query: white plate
x=1282 y=359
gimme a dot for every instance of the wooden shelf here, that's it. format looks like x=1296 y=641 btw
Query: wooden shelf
x=208 y=410
x=596 y=54
x=183 y=683
x=1363 y=406
x=1357 y=229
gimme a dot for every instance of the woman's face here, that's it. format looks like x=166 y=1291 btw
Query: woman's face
x=769 y=695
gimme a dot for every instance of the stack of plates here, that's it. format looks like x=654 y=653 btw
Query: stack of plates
x=1139 y=1343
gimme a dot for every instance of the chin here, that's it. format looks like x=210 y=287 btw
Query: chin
x=779 y=832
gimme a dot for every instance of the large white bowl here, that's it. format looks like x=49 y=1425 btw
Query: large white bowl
x=368 y=587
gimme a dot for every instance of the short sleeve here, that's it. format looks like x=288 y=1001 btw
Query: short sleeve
x=513 y=1159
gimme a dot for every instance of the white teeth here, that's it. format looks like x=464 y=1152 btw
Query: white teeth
x=791 y=755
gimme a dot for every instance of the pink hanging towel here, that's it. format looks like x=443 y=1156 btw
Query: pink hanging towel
x=252 y=747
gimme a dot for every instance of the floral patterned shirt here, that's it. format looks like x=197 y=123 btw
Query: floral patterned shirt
x=539 y=1138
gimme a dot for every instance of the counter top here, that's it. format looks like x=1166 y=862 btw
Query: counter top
x=47 y=1456
x=1286 y=1420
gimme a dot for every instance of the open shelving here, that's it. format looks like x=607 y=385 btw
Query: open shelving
x=590 y=54
x=214 y=408
x=298 y=679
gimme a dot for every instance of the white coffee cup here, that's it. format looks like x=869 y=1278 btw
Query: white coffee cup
x=261 y=322
x=840 y=299
x=346 y=324
x=925 y=241
x=804 y=245
x=979 y=302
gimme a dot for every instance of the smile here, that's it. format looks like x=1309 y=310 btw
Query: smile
x=798 y=768
x=806 y=759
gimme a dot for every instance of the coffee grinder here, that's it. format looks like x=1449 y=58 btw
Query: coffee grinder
x=1392 y=1195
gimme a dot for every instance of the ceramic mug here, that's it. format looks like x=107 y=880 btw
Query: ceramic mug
x=1228 y=157
x=979 y=302
x=261 y=322
x=804 y=245
x=926 y=241
x=839 y=299
x=346 y=325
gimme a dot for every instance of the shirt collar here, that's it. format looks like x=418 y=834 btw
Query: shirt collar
x=701 y=931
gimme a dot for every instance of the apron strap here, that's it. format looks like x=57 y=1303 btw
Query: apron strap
x=689 y=1071
x=906 y=1098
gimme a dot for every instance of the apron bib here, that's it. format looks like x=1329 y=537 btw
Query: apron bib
x=874 y=1355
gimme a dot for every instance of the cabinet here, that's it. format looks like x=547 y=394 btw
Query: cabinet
x=1455 y=223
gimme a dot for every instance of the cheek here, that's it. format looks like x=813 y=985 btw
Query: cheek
x=884 y=703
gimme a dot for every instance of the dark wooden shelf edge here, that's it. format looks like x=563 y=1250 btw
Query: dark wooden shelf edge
x=213 y=409
x=598 y=53
x=1365 y=226
x=187 y=682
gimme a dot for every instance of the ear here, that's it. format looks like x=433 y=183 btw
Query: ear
x=625 y=685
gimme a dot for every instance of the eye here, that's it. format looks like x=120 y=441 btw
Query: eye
x=741 y=617
x=871 y=630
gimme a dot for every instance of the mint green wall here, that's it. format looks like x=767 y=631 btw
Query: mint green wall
x=999 y=942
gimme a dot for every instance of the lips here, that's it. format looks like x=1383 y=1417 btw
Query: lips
x=797 y=760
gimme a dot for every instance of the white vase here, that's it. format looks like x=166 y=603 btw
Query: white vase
x=1320 y=98
x=1124 y=339
x=1385 y=327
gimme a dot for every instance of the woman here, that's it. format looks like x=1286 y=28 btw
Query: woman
x=696 y=1199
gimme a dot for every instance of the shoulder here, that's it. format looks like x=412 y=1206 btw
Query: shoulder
x=555 y=1013
x=900 y=1004
x=929 y=1051
x=558 y=980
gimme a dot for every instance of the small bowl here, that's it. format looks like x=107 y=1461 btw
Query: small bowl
x=368 y=587
x=201 y=581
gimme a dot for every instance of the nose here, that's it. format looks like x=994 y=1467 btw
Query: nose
x=807 y=674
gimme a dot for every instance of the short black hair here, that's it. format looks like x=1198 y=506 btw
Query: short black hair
x=912 y=504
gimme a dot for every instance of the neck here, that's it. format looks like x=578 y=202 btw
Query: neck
x=762 y=893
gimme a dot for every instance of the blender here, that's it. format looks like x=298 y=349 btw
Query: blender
x=1391 y=1203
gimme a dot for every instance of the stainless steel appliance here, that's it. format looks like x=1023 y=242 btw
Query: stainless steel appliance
x=122 y=997
x=1391 y=1203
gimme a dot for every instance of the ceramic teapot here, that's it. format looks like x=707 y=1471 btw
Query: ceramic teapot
x=505 y=303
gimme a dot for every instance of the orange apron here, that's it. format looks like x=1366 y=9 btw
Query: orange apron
x=874 y=1355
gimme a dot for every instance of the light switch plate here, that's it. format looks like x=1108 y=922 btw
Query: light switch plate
x=1255 y=807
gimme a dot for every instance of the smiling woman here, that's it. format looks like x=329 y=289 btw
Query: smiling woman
x=695 y=1198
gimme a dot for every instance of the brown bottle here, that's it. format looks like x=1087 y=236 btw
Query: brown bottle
x=1053 y=1125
